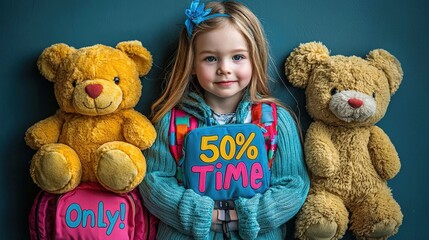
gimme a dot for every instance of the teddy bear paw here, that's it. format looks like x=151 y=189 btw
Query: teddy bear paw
x=116 y=170
x=56 y=168
x=382 y=230
x=120 y=166
x=322 y=230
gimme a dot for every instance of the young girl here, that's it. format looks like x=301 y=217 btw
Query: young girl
x=221 y=187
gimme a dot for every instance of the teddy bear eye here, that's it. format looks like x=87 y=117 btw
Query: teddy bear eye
x=373 y=94
x=74 y=83
x=334 y=91
x=116 y=80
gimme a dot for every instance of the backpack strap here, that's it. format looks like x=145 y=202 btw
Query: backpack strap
x=265 y=116
x=180 y=124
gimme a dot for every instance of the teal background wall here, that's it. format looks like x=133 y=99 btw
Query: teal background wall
x=347 y=27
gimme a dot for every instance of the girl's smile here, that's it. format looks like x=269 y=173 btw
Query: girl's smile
x=225 y=83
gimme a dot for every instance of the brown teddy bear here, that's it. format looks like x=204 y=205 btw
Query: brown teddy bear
x=96 y=135
x=348 y=157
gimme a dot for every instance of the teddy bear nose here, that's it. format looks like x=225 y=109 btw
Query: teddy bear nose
x=94 y=90
x=355 y=103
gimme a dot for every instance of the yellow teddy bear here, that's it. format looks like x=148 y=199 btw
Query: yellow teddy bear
x=348 y=157
x=96 y=135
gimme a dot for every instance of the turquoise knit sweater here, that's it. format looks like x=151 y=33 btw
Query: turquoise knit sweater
x=184 y=214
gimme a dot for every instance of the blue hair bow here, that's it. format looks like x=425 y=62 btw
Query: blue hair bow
x=196 y=14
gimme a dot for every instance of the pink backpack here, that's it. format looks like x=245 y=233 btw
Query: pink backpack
x=91 y=212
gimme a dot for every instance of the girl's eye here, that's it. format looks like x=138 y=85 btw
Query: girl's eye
x=237 y=57
x=210 y=59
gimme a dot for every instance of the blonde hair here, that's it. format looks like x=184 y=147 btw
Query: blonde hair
x=180 y=80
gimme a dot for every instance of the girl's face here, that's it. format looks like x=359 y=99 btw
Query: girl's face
x=222 y=64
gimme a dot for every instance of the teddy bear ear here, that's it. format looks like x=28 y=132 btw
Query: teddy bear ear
x=51 y=58
x=303 y=60
x=386 y=62
x=140 y=55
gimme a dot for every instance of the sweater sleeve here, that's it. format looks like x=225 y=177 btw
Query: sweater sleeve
x=288 y=189
x=180 y=208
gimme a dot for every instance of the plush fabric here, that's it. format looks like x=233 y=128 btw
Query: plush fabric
x=187 y=215
x=348 y=157
x=96 y=135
